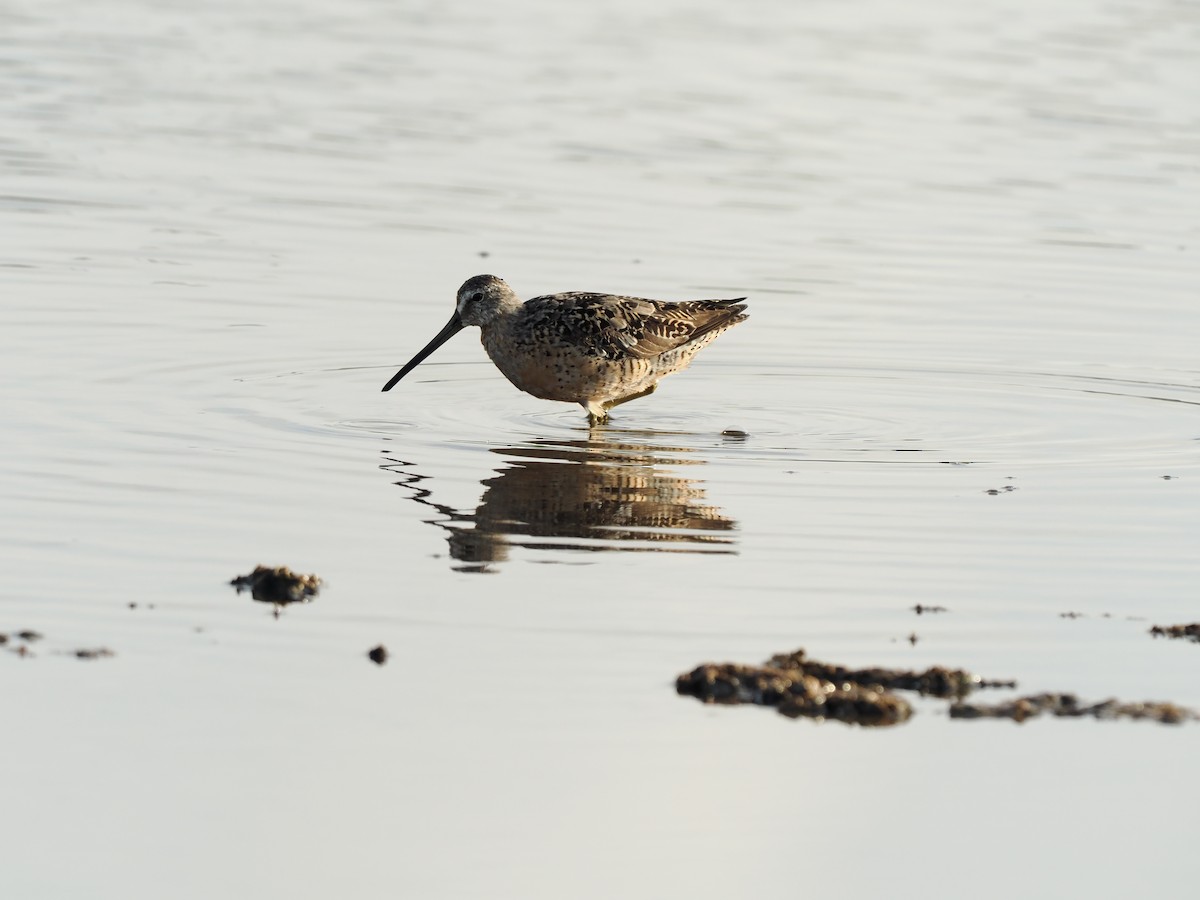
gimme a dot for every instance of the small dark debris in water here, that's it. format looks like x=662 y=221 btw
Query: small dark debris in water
x=93 y=653
x=995 y=492
x=132 y=605
x=1185 y=632
x=734 y=434
x=378 y=655
x=1168 y=477
x=279 y=586
x=28 y=637
x=921 y=609
x=1070 y=706
x=1070 y=615
x=912 y=639
x=484 y=254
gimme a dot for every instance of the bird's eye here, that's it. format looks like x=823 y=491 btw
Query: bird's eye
x=476 y=297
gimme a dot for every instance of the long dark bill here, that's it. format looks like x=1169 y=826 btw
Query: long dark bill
x=453 y=327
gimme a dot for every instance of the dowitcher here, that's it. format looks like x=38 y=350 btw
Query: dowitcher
x=597 y=350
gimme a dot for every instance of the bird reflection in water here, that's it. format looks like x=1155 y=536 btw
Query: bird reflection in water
x=578 y=495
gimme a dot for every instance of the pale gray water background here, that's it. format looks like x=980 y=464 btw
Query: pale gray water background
x=969 y=237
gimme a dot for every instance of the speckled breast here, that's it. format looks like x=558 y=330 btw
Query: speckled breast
x=554 y=370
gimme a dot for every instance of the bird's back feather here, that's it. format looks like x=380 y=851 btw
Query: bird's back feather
x=612 y=327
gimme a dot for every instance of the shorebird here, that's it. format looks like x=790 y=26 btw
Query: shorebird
x=597 y=350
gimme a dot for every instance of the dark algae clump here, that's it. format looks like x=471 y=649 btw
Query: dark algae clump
x=799 y=686
x=936 y=682
x=1068 y=706
x=793 y=693
x=1178 y=632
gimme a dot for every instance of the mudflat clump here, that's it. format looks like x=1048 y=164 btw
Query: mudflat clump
x=861 y=704
x=793 y=693
x=1178 y=632
x=1071 y=707
x=935 y=682
x=279 y=585
x=798 y=686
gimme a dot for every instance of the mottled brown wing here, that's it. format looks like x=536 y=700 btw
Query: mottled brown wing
x=614 y=327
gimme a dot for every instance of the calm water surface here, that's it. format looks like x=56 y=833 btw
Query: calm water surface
x=969 y=238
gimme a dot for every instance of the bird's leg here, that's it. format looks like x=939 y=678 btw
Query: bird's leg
x=596 y=413
x=611 y=403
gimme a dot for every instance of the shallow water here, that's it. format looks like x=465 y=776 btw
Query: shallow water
x=970 y=379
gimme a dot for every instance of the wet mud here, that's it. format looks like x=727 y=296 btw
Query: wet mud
x=798 y=686
x=1178 y=632
x=1068 y=706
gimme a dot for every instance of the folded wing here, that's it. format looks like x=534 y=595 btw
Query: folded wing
x=612 y=327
